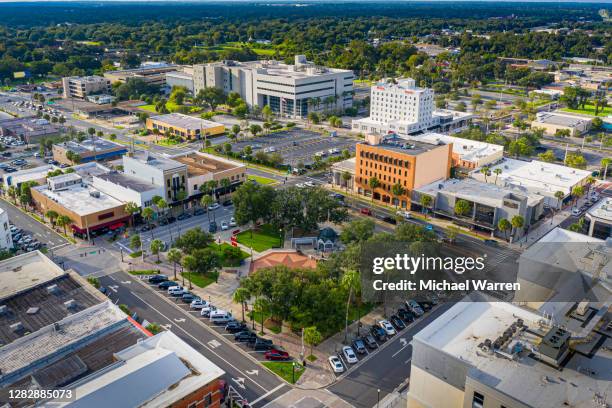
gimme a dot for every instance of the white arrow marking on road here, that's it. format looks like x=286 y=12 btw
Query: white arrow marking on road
x=403 y=341
x=214 y=344
x=113 y=288
x=166 y=326
x=239 y=381
x=252 y=372
x=126 y=282
x=181 y=320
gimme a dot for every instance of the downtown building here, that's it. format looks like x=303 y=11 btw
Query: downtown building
x=290 y=90
x=403 y=108
x=83 y=87
x=58 y=332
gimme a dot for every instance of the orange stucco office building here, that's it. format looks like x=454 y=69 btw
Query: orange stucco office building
x=394 y=160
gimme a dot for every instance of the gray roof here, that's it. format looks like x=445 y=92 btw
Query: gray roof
x=128 y=182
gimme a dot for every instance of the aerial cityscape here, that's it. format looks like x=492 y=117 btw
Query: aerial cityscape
x=305 y=204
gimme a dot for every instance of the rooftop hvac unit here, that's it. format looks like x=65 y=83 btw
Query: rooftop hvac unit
x=33 y=310
x=3 y=309
x=95 y=194
x=582 y=308
x=52 y=289
x=70 y=304
x=16 y=326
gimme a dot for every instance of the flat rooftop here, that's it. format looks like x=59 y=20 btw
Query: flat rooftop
x=602 y=210
x=471 y=150
x=543 y=177
x=35 y=173
x=155 y=372
x=460 y=330
x=88 y=170
x=346 y=165
x=159 y=162
x=44 y=304
x=26 y=271
x=561 y=120
x=199 y=164
x=410 y=147
x=280 y=69
x=90 y=146
x=405 y=84
x=128 y=182
x=476 y=191
x=81 y=199
x=179 y=120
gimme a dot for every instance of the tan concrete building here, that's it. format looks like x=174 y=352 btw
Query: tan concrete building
x=159 y=171
x=88 y=150
x=88 y=208
x=185 y=126
x=151 y=73
x=392 y=160
x=552 y=122
x=82 y=87
x=203 y=167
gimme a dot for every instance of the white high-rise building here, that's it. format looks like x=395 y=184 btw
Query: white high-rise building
x=402 y=107
x=6 y=241
x=290 y=90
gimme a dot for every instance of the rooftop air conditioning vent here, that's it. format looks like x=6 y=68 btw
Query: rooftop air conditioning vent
x=33 y=310
x=52 y=289
x=16 y=327
x=70 y=304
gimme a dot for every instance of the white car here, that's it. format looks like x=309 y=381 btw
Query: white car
x=176 y=290
x=349 y=354
x=198 y=304
x=336 y=364
x=405 y=214
x=232 y=222
x=224 y=226
x=300 y=185
x=214 y=206
x=387 y=327
x=309 y=184
x=205 y=311
x=576 y=211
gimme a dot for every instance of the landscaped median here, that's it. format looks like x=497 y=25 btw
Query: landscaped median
x=261 y=180
x=289 y=371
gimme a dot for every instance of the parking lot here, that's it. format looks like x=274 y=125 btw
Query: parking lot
x=298 y=145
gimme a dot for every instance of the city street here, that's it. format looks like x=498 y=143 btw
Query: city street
x=41 y=232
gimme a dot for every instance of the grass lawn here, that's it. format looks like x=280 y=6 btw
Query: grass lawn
x=261 y=180
x=199 y=280
x=228 y=261
x=285 y=370
x=167 y=142
x=590 y=110
x=237 y=46
x=172 y=107
x=264 y=238
x=136 y=254
x=144 y=272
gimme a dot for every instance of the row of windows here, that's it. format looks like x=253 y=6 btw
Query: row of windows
x=385 y=186
x=384 y=159
x=395 y=169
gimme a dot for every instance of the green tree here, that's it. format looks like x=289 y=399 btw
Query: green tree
x=548 y=156
x=267 y=113
x=241 y=295
x=135 y=242
x=210 y=96
x=193 y=239
x=374 y=184
x=132 y=209
x=358 y=230
x=156 y=247
x=174 y=256
x=504 y=226
x=255 y=129
x=351 y=281
x=426 y=202
x=206 y=201
x=262 y=308
x=559 y=195
x=52 y=216
x=517 y=223
x=63 y=221
x=497 y=172
x=346 y=177
x=312 y=337
x=397 y=190
x=463 y=207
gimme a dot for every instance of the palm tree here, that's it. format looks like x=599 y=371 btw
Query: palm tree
x=497 y=172
x=225 y=185
x=374 y=184
x=52 y=216
x=63 y=221
x=352 y=283
x=175 y=256
x=241 y=295
x=156 y=247
x=205 y=202
x=131 y=208
x=426 y=202
x=346 y=177
x=12 y=192
x=577 y=192
x=147 y=215
x=517 y=222
x=589 y=180
x=162 y=206
x=504 y=225
x=485 y=170
x=181 y=196
x=559 y=196
x=398 y=190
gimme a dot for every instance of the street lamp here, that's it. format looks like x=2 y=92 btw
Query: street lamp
x=293 y=372
x=378 y=399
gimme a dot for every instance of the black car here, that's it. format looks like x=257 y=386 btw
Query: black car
x=389 y=220
x=199 y=211
x=378 y=333
x=235 y=327
x=397 y=322
x=167 y=284
x=369 y=341
x=188 y=297
x=163 y=221
x=261 y=345
x=491 y=242
x=245 y=336
x=212 y=227
x=426 y=306
x=257 y=339
x=171 y=220
x=157 y=278
x=405 y=315
x=227 y=203
x=147 y=227
x=183 y=216
x=359 y=346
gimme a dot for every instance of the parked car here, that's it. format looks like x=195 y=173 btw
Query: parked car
x=198 y=304
x=220 y=317
x=213 y=206
x=366 y=211
x=198 y=211
x=167 y=284
x=183 y=216
x=177 y=291
x=397 y=322
x=404 y=214
x=359 y=346
x=157 y=278
x=389 y=220
x=227 y=203
x=405 y=315
x=414 y=308
x=426 y=306
x=387 y=327
x=188 y=298
x=261 y=344
x=235 y=327
x=232 y=222
x=147 y=227
x=379 y=333
x=244 y=336
x=369 y=341
x=336 y=364
x=212 y=227
x=276 y=355
x=349 y=354
x=224 y=226
x=171 y=220
x=207 y=310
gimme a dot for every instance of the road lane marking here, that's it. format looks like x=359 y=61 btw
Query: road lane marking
x=272 y=391
x=198 y=341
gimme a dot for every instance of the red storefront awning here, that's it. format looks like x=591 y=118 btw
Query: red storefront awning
x=116 y=225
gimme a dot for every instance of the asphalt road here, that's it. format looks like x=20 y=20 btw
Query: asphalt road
x=386 y=369
x=249 y=378
x=39 y=231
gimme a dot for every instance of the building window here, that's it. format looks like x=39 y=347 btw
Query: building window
x=106 y=215
x=192 y=405
x=478 y=400
x=208 y=400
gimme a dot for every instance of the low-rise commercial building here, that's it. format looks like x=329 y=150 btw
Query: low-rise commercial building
x=157 y=170
x=6 y=240
x=185 y=126
x=35 y=174
x=203 y=168
x=289 y=90
x=151 y=73
x=341 y=170
x=127 y=188
x=552 y=122
x=402 y=107
x=495 y=354
x=489 y=204
x=535 y=177
x=600 y=219
x=88 y=150
x=82 y=87
x=390 y=161
x=88 y=208
x=28 y=129
x=180 y=78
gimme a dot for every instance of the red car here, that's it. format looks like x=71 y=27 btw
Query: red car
x=366 y=211
x=235 y=232
x=276 y=355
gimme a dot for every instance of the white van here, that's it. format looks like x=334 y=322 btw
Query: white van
x=175 y=290
x=220 y=317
